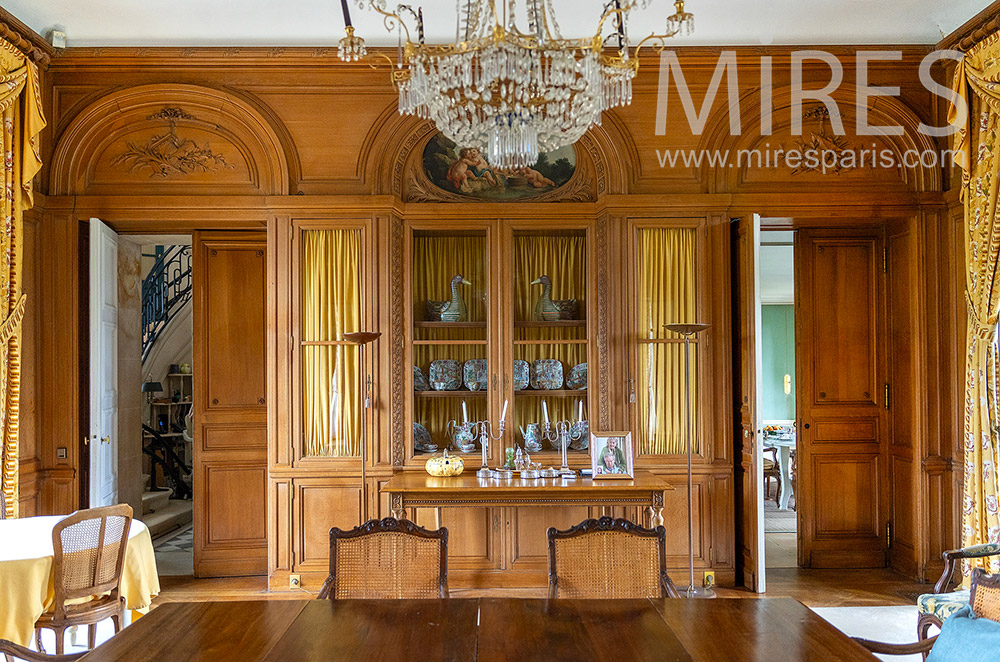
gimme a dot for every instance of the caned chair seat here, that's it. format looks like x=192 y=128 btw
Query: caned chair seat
x=89 y=552
x=387 y=559
x=942 y=605
x=608 y=558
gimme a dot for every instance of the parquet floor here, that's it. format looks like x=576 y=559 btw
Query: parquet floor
x=814 y=588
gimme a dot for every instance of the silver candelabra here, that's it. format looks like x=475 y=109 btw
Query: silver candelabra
x=485 y=429
x=564 y=433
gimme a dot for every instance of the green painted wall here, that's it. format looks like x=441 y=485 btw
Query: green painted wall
x=778 y=342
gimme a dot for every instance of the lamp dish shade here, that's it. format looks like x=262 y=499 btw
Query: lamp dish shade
x=361 y=337
x=686 y=329
x=152 y=387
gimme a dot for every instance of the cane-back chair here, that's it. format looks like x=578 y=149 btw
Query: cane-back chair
x=609 y=558
x=3 y=506
x=387 y=559
x=89 y=548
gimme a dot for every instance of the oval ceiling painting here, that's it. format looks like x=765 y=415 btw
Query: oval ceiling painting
x=465 y=171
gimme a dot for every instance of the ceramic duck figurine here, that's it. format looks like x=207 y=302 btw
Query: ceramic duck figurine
x=547 y=310
x=450 y=311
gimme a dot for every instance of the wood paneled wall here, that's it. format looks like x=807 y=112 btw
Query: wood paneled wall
x=302 y=137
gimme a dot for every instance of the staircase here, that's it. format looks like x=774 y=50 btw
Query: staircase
x=165 y=291
x=162 y=515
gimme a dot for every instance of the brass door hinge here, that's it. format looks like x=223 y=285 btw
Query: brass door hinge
x=888 y=534
x=885 y=259
x=886 y=396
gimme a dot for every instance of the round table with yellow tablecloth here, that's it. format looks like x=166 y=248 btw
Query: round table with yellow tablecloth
x=26 y=588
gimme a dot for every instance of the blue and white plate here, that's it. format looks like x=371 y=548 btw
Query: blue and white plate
x=522 y=375
x=475 y=375
x=577 y=377
x=422 y=439
x=420 y=382
x=547 y=374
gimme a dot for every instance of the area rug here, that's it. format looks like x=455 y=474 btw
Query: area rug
x=779 y=521
x=896 y=625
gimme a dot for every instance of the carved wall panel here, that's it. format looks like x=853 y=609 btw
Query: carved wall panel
x=844 y=160
x=170 y=139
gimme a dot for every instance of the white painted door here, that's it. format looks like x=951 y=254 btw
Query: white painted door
x=103 y=365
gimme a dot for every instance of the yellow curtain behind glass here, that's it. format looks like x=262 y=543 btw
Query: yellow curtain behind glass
x=976 y=144
x=21 y=108
x=564 y=260
x=331 y=306
x=665 y=293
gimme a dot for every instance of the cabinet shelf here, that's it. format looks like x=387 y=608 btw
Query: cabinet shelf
x=450 y=394
x=536 y=324
x=448 y=342
x=574 y=341
x=449 y=325
x=541 y=393
x=180 y=374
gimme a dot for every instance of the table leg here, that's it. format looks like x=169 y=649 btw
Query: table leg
x=396 y=506
x=655 y=516
x=785 y=460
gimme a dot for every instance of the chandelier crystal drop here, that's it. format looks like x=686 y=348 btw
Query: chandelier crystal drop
x=510 y=83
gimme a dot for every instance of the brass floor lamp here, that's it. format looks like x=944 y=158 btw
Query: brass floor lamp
x=688 y=330
x=362 y=338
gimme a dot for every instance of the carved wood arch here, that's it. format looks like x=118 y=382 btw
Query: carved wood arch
x=747 y=177
x=168 y=139
x=391 y=162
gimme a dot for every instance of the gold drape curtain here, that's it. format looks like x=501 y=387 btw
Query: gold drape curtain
x=665 y=293
x=331 y=307
x=23 y=121
x=977 y=80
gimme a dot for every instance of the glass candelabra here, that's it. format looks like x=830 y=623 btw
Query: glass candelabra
x=564 y=433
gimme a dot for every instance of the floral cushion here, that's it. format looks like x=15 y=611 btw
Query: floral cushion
x=942 y=605
x=981 y=550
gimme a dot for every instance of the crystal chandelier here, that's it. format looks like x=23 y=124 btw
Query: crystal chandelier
x=510 y=83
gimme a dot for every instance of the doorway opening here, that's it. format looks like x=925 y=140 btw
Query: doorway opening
x=777 y=400
x=141 y=383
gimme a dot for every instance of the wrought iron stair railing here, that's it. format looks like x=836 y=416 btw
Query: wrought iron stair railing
x=165 y=291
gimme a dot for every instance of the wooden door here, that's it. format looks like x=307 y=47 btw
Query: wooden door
x=230 y=411
x=103 y=437
x=749 y=429
x=903 y=403
x=840 y=409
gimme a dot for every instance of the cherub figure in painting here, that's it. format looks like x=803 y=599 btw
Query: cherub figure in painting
x=535 y=178
x=470 y=165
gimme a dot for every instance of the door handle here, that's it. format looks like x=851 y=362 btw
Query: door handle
x=86 y=440
x=805 y=426
x=106 y=440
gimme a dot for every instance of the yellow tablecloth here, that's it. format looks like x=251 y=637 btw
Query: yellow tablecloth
x=26 y=589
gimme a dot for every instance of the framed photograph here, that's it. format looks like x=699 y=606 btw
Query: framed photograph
x=611 y=455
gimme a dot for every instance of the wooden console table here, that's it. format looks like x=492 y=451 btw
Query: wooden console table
x=420 y=490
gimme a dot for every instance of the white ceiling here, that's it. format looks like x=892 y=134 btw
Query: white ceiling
x=319 y=22
x=777 y=270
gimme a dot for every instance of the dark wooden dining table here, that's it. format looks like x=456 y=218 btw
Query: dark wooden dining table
x=483 y=629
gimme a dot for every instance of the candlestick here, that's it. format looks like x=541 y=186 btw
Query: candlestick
x=485 y=434
x=465 y=413
x=503 y=414
x=579 y=416
x=564 y=432
x=545 y=413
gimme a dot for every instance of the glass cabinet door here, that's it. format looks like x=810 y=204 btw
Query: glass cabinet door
x=450 y=312
x=665 y=293
x=330 y=288
x=550 y=342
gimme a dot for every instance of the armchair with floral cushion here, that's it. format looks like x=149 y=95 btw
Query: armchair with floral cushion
x=971 y=633
x=935 y=608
